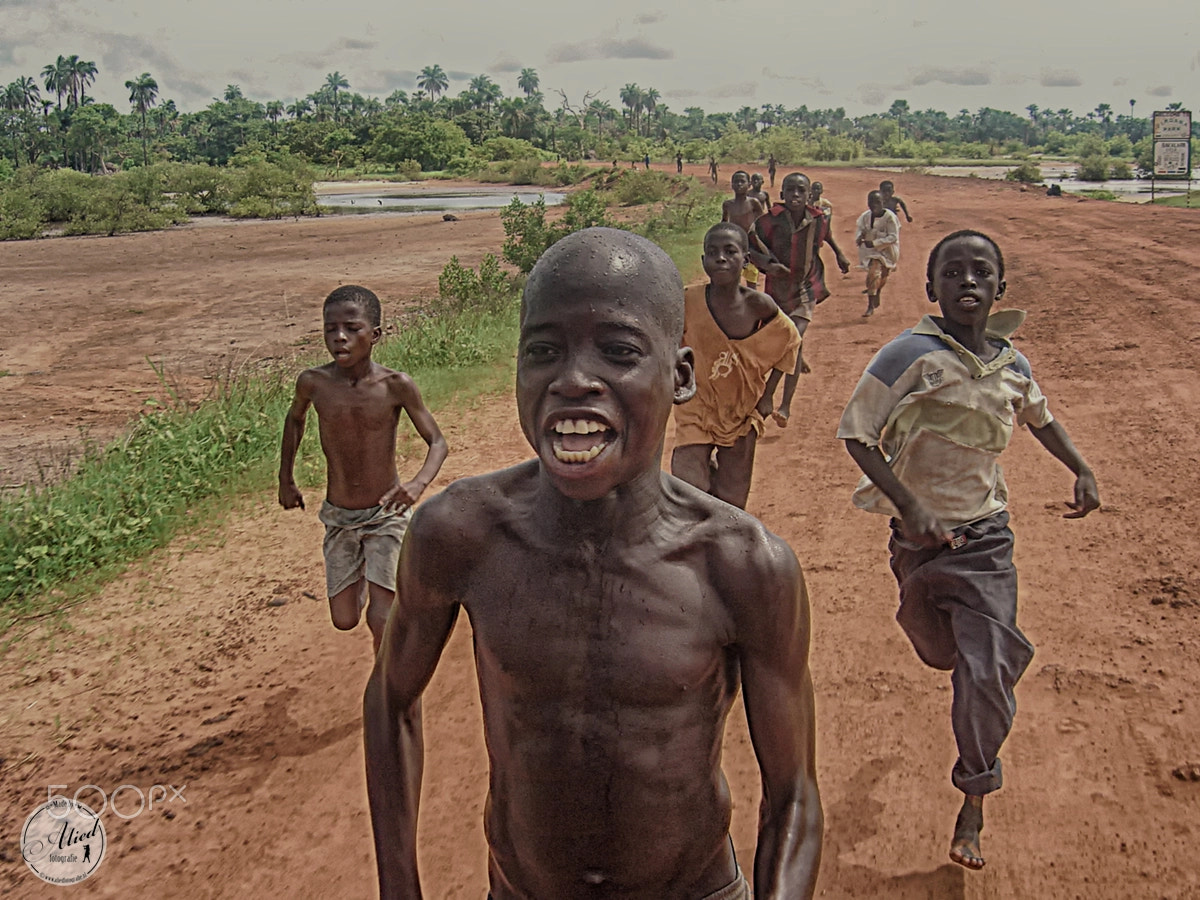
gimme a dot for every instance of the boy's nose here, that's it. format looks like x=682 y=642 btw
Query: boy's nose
x=575 y=380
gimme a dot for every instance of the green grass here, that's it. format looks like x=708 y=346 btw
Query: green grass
x=132 y=496
x=1095 y=194
x=1180 y=200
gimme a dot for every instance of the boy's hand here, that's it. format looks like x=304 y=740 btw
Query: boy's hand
x=765 y=406
x=1087 y=496
x=922 y=527
x=402 y=495
x=843 y=264
x=870 y=244
x=290 y=496
x=778 y=269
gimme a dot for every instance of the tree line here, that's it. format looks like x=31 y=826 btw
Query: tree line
x=50 y=121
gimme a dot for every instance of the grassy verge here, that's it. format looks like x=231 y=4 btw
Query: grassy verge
x=1180 y=200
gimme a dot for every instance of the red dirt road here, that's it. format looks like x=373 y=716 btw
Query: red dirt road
x=180 y=673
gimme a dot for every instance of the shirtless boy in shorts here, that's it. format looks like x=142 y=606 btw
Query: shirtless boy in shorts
x=366 y=509
x=743 y=210
x=616 y=612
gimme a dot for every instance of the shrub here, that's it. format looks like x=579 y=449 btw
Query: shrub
x=527 y=235
x=1055 y=142
x=408 y=169
x=1026 y=172
x=1092 y=168
x=634 y=188
x=21 y=216
x=1120 y=170
x=462 y=288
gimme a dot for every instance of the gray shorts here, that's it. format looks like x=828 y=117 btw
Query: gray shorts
x=362 y=542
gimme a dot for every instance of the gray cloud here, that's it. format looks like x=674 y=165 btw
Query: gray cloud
x=1163 y=90
x=608 y=48
x=917 y=23
x=805 y=80
x=1120 y=82
x=741 y=89
x=354 y=44
x=382 y=82
x=872 y=94
x=648 y=18
x=681 y=94
x=456 y=75
x=505 y=62
x=962 y=76
x=6 y=50
x=1059 y=78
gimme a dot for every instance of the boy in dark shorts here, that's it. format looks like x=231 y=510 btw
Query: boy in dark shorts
x=792 y=234
x=743 y=344
x=616 y=611
x=891 y=202
x=366 y=509
x=926 y=424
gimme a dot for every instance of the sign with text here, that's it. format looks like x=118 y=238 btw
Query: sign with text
x=1172 y=157
x=1172 y=124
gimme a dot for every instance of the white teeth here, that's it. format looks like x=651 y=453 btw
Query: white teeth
x=578 y=426
x=578 y=456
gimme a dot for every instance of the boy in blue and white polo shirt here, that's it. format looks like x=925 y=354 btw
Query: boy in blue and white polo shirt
x=926 y=424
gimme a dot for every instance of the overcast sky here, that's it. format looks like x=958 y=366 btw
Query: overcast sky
x=717 y=54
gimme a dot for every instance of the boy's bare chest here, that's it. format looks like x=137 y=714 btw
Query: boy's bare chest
x=568 y=627
x=358 y=407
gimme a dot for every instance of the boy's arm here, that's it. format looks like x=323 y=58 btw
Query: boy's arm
x=416 y=633
x=918 y=523
x=843 y=263
x=409 y=397
x=900 y=203
x=763 y=258
x=725 y=210
x=773 y=640
x=1055 y=439
x=293 y=431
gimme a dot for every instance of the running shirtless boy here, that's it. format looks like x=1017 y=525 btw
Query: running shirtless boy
x=616 y=613
x=366 y=509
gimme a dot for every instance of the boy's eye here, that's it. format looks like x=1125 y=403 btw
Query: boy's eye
x=539 y=352
x=624 y=352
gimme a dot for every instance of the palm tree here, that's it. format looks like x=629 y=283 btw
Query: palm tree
x=336 y=81
x=1131 y=102
x=485 y=90
x=56 y=77
x=433 y=81
x=143 y=94
x=233 y=92
x=79 y=73
x=650 y=98
x=528 y=81
x=602 y=110
x=395 y=99
x=631 y=96
x=274 y=110
x=514 y=116
x=299 y=108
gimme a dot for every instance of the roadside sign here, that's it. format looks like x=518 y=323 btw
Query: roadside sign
x=1172 y=158
x=1172 y=125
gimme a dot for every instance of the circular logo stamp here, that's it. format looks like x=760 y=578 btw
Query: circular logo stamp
x=63 y=841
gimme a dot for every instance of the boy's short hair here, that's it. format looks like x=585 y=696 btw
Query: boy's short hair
x=966 y=232
x=886 y=186
x=871 y=194
x=636 y=267
x=354 y=293
x=733 y=228
x=740 y=172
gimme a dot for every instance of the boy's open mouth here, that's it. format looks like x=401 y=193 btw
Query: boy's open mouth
x=579 y=440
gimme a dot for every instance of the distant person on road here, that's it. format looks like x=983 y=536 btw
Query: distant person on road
x=743 y=210
x=646 y=161
x=926 y=424
x=678 y=162
x=712 y=169
x=792 y=234
x=772 y=167
x=877 y=236
x=893 y=203
x=367 y=509
x=616 y=613
x=743 y=345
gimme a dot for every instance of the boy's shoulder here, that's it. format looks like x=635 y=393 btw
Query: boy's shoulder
x=468 y=510
x=732 y=540
x=899 y=354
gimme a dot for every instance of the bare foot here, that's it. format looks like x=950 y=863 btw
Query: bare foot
x=780 y=418
x=805 y=368
x=965 y=848
x=870 y=312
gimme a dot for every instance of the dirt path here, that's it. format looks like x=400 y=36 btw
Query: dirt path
x=183 y=673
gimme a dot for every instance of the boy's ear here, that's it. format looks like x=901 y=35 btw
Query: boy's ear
x=376 y=334
x=1000 y=290
x=929 y=292
x=685 y=375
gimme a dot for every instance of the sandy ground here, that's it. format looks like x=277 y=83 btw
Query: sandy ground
x=214 y=665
